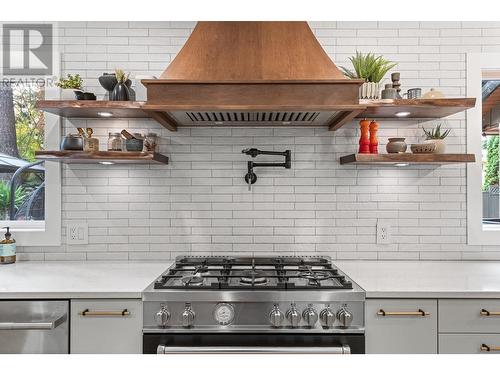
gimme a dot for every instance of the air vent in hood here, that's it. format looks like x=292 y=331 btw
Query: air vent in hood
x=205 y=118
x=252 y=73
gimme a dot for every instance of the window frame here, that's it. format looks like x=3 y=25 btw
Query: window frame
x=49 y=233
x=476 y=233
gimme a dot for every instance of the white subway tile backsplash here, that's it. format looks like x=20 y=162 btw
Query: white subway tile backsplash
x=200 y=203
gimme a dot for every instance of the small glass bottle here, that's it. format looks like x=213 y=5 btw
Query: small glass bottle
x=151 y=142
x=115 y=142
x=7 y=249
x=90 y=144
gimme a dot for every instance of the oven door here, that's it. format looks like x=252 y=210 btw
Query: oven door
x=252 y=343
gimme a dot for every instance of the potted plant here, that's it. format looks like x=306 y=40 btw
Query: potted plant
x=70 y=86
x=372 y=69
x=121 y=90
x=437 y=137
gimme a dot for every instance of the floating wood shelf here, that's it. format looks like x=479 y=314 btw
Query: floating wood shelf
x=380 y=109
x=93 y=108
x=102 y=157
x=415 y=108
x=407 y=158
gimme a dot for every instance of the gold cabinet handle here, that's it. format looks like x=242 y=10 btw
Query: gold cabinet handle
x=485 y=312
x=87 y=312
x=489 y=348
x=420 y=312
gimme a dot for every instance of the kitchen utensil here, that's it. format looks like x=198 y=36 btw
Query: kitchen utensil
x=364 y=139
x=373 y=137
x=127 y=135
x=108 y=82
x=151 y=142
x=389 y=92
x=134 y=144
x=115 y=142
x=89 y=96
x=423 y=148
x=80 y=95
x=414 y=93
x=396 y=146
x=395 y=77
x=433 y=94
x=72 y=142
x=90 y=144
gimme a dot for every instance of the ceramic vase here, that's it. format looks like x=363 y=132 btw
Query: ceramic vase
x=396 y=146
x=121 y=92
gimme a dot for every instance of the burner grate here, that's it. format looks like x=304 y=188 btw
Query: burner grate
x=252 y=273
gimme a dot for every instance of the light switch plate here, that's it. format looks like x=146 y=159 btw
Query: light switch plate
x=383 y=232
x=77 y=234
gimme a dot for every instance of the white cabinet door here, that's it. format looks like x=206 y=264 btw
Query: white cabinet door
x=401 y=326
x=470 y=343
x=106 y=326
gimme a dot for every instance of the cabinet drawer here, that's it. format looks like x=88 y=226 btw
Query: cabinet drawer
x=106 y=326
x=401 y=326
x=462 y=316
x=450 y=343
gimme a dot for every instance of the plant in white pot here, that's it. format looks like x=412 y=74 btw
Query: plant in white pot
x=437 y=137
x=372 y=69
x=69 y=85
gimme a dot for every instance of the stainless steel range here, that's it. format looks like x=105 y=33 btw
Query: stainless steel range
x=253 y=305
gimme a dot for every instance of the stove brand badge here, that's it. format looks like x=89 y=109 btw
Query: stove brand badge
x=27 y=49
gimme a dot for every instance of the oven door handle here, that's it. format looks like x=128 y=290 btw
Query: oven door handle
x=35 y=325
x=162 y=349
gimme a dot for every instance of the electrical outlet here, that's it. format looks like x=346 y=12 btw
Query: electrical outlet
x=77 y=234
x=383 y=232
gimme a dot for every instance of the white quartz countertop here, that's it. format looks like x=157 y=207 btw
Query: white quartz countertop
x=429 y=279
x=77 y=279
x=380 y=279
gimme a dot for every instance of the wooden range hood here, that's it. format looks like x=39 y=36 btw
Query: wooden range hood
x=252 y=74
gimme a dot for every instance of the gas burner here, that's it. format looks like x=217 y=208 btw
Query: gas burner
x=315 y=275
x=192 y=280
x=253 y=277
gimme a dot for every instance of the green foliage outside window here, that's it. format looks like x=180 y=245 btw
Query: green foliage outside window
x=29 y=122
x=491 y=169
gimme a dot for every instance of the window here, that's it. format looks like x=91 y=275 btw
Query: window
x=483 y=205
x=33 y=210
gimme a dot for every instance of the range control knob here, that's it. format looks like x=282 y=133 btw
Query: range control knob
x=188 y=316
x=293 y=315
x=344 y=317
x=276 y=317
x=327 y=317
x=162 y=317
x=310 y=316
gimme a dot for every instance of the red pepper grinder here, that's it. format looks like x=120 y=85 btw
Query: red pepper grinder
x=373 y=137
x=364 y=139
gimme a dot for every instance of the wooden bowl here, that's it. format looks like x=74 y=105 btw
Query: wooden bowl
x=423 y=148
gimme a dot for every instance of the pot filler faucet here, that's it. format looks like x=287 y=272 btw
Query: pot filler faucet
x=251 y=177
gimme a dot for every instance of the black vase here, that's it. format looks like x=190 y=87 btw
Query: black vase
x=120 y=92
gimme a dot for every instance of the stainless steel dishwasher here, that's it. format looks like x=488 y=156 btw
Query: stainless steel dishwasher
x=34 y=327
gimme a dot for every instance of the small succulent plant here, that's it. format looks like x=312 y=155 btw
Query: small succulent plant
x=70 y=82
x=369 y=67
x=436 y=133
x=121 y=76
